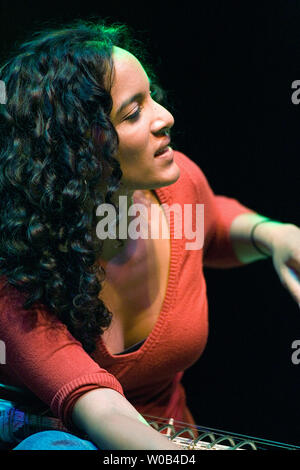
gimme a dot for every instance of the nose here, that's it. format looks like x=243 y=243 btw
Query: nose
x=163 y=119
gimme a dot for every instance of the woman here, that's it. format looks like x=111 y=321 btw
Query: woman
x=102 y=331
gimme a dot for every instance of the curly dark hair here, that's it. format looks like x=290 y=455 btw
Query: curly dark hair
x=56 y=144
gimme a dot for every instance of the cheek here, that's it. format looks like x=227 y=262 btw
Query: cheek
x=134 y=142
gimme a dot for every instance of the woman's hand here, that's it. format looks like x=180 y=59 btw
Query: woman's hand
x=286 y=257
x=279 y=240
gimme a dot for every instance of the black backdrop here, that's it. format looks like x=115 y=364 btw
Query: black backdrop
x=228 y=67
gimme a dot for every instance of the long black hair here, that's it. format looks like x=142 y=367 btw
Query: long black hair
x=56 y=144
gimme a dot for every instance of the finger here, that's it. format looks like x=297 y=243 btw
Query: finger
x=294 y=263
x=291 y=281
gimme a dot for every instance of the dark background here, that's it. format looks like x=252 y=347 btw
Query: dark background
x=228 y=67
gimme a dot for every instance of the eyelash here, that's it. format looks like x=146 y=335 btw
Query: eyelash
x=137 y=113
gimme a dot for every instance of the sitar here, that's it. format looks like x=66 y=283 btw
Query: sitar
x=16 y=424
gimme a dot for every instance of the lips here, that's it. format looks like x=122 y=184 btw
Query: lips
x=163 y=147
x=160 y=152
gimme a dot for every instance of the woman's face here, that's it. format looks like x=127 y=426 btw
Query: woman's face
x=142 y=126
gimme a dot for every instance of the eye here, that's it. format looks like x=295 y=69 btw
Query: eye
x=134 y=115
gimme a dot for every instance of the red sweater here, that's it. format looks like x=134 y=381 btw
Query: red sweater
x=47 y=360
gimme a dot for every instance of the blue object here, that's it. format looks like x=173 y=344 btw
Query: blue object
x=54 y=440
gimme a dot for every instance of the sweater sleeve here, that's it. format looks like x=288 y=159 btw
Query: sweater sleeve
x=219 y=252
x=219 y=213
x=43 y=356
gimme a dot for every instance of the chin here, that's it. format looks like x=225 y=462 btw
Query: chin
x=170 y=175
x=165 y=177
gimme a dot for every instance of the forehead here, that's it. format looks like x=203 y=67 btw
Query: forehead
x=128 y=71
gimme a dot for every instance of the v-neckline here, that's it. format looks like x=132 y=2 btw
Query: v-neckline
x=163 y=196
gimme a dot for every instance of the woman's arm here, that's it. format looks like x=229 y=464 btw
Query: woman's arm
x=278 y=240
x=111 y=422
x=240 y=235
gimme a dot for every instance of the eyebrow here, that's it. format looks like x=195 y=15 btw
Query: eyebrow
x=136 y=97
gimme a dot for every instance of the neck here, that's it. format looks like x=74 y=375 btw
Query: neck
x=111 y=247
